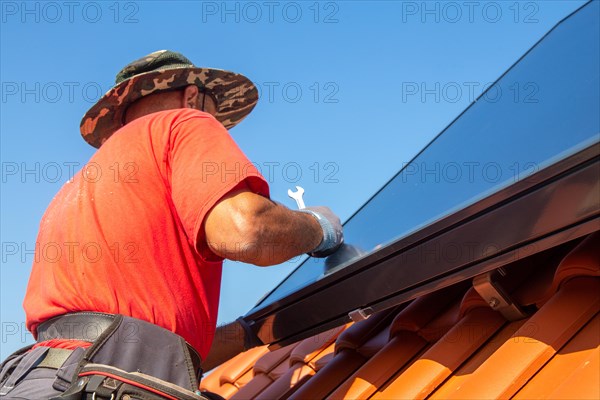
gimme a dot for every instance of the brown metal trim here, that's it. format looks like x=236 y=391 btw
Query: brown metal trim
x=551 y=211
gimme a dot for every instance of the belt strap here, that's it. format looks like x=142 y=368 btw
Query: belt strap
x=88 y=326
x=84 y=326
x=55 y=358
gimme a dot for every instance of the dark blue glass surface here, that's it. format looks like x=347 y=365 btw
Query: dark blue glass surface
x=545 y=108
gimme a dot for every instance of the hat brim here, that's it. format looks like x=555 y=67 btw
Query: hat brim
x=235 y=96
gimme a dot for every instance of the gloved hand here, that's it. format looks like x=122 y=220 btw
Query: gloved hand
x=333 y=235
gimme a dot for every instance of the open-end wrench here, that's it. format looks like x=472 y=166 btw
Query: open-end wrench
x=297 y=195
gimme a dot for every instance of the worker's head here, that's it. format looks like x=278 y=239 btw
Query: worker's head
x=187 y=97
x=166 y=80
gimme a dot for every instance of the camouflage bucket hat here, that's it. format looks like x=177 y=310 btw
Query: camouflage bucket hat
x=235 y=95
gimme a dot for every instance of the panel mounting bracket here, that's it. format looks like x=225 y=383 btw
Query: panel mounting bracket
x=360 y=314
x=491 y=291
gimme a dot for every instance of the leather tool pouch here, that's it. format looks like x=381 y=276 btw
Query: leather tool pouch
x=133 y=359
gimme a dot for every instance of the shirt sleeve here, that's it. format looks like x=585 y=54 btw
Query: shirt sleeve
x=206 y=164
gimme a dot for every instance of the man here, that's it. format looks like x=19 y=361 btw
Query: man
x=142 y=234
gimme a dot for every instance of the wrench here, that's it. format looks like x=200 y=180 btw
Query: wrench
x=297 y=195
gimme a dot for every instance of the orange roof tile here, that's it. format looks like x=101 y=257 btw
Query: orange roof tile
x=572 y=372
x=449 y=344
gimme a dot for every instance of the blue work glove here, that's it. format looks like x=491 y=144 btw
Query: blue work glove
x=333 y=236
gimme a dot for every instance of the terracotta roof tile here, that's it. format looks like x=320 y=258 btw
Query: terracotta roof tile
x=382 y=366
x=310 y=348
x=356 y=335
x=582 y=383
x=449 y=345
x=330 y=376
x=521 y=356
x=584 y=260
x=444 y=357
x=375 y=344
x=424 y=309
x=237 y=366
x=272 y=359
x=289 y=382
x=244 y=365
x=252 y=389
x=572 y=372
x=465 y=372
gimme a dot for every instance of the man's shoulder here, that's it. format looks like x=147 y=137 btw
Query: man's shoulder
x=185 y=121
x=169 y=118
x=159 y=130
x=184 y=114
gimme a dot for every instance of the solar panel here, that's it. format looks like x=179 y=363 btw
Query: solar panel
x=540 y=113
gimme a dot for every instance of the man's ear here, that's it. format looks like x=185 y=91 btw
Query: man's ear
x=190 y=97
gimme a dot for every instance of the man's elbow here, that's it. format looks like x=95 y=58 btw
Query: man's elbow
x=245 y=241
x=253 y=246
x=240 y=229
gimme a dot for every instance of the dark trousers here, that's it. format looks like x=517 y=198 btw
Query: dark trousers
x=26 y=376
x=35 y=385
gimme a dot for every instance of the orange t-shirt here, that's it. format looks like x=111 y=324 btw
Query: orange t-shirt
x=125 y=235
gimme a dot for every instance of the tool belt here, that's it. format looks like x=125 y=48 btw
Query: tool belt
x=128 y=359
x=97 y=382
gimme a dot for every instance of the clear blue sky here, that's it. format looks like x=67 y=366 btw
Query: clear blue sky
x=350 y=90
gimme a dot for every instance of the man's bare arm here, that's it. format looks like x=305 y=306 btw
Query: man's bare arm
x=250 y=228
x=227 y=343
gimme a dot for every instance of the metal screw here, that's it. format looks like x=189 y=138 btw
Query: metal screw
x=81 y=382
x=126 y=397
x=494 y=302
